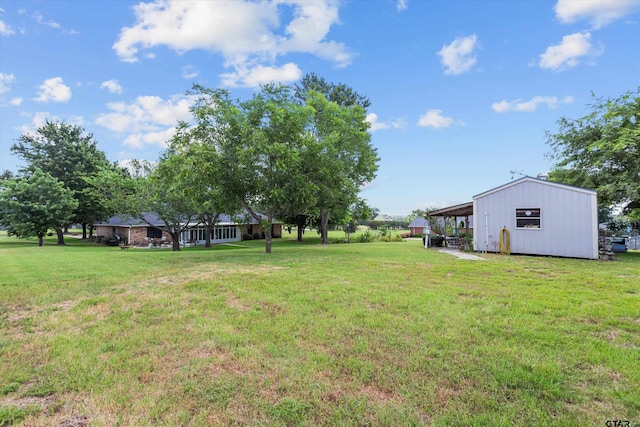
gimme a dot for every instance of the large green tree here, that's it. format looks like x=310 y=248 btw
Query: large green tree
x=260 y=144
x=31 y=205
x=71 y=155
x=198 y=169
x=601 y=150
x=341 y=159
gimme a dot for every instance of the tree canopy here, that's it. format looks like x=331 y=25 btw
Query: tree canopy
x=601 y=151
x=31 y=205
x=69 y=154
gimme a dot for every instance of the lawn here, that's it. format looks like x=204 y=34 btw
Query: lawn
x=345 y=334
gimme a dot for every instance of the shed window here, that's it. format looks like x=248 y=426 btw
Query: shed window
x=528 y=218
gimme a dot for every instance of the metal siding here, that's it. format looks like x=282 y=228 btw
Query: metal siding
x=567 y=220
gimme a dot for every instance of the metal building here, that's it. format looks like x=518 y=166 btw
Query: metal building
x=539 y=217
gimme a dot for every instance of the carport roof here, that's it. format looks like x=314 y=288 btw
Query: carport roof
x=464 y=209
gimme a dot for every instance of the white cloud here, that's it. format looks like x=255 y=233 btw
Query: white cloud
x=598 y=12
x=253 y=77
x=188 y=72
x=40 y=118
x=54 y=90
x=5 y=81
x=5 y=29
x=458 y=56
x=402 y=5
x=376 y=125
x=434 y=119
x=147 y=120
x=247 y=34
x=372 y=118
x=567 y=54
x=112 y=86
x=531 y=105
x=15 y=101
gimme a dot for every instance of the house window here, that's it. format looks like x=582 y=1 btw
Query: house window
x=528 y=218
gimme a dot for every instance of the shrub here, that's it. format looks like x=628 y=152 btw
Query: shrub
x=365 y=237
x=247 y=236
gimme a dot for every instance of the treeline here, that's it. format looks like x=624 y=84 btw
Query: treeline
x=293 y=154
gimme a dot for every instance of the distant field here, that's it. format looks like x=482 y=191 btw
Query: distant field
x=358 y=334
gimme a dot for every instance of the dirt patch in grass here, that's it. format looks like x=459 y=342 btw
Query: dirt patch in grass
x=233 y=301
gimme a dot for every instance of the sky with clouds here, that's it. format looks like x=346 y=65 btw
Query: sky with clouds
x=462 y=91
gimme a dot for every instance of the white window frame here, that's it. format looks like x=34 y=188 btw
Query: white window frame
x=521 y=213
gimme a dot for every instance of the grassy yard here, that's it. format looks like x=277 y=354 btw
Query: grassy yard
x=359 y=334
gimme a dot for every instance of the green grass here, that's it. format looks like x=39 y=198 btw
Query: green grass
x=358 y=334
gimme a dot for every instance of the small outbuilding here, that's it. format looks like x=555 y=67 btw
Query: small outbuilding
x=418 y=226
x=538 y=217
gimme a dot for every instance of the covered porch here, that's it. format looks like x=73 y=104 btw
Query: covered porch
x=462 y=216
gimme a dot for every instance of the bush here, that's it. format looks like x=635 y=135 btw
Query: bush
x=247 y=236
x=365 y=237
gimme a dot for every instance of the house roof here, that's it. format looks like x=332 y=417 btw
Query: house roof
x=538 y=181
x=153 y=219
x=463 y=209
x=419 y=222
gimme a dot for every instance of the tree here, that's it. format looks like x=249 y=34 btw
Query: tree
x=149 y=188
x=343 y=159
x=30 y=206
x=70 y=155
x=416 y=213
x=601 y=151
x=259 y=142
x=199 y=168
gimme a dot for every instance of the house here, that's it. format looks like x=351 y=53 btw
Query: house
x=418 y=225
x=540 y=217
x=134 y=231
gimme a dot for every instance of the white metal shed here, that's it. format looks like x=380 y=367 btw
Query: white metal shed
x=542 y=217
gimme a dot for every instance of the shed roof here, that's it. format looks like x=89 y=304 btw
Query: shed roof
x=536 y=180
x=463 y=209
x=419 y=222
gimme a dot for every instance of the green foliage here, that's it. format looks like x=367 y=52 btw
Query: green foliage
x=30 y=206
x=601 y=150
x=69 y=154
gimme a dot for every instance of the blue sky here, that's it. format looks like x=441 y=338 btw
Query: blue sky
x=462 y=92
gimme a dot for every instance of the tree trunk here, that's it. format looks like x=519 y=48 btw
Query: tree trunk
x=66 y=228
x=267 y=239
x=91 y=231
x=324 y=220
x=300 y=222
x=84 y=231
x=207 y=240
x=175 y=241
x=40 y=240
x=60 y=236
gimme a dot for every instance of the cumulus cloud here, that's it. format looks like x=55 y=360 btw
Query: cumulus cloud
x=5 y=29
x=598 y=13
x=40 y=118
x=6 y=80
x=568 y=53
x=402 y=5
x=147 y=120
x=530 y=105
x=458 y=56
x=435 y=119
x=247 y=34
x=377 y=125
x=54 y=90
x=253 y=77
x=16 y=101
x=372 y=118
x=112 y=86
